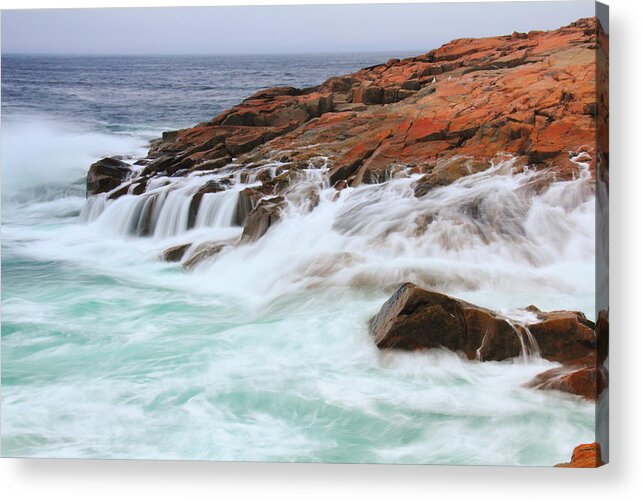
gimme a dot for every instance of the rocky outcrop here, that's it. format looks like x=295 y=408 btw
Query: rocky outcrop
x=106 y=175
x=445 y=114
x=415 y=318
x=531 y=95
x=585 y=456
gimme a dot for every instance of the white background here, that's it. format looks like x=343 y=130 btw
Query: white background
x=621 y=480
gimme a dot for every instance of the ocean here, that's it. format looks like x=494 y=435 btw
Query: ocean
x=262 y=354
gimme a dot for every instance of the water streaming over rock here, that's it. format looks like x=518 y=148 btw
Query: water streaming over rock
x=261 y=351
x=163 y=212
x=492 y=231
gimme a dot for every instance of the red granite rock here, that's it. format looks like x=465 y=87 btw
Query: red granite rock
x=532 y=95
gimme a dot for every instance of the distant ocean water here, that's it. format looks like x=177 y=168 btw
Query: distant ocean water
x=108 y=352
x=69 y=110
x=151 y=93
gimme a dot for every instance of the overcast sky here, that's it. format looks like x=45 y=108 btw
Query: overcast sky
x=277 y=29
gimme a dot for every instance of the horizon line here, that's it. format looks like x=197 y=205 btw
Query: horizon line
x=215 y=54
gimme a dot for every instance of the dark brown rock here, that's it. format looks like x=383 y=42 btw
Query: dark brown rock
x=495 y=337
x=415 y=318
x=175 y=254
x=139 y=187
x=371 y=94
x=214 y=164
x=209 y=187
x=412 y=84
x=264 y=216
x=123 y=190
x=317 y=104
x=248 y=199
x=602 y=337
x=106 y=175
x=564 y=336
x=134 y=188
x=203 y=252
x=587 y=382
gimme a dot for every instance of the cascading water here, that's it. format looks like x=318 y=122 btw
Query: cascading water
x=480 y=238
x=162 y=212
x=262 y=351
x=487 y=232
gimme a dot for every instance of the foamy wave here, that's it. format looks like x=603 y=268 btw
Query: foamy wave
x=39 y=150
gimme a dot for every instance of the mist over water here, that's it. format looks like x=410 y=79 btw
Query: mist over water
x=262 y=352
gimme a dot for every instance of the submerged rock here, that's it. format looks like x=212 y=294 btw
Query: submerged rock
x=203 y=252
x=175 y=254
x=145 y=223
x=106 y=174
x=415 y=318
x=587 y=382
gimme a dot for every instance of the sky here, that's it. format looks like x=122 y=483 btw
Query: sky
x=275 y=29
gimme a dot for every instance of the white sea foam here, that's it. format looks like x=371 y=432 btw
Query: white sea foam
x=38 y=149
x=262 y=352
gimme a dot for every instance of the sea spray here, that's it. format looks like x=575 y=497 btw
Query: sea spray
x=262 y=352
x=39 y=149
x=491 y=231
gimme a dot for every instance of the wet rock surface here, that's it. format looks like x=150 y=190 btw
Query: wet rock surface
x=202 y=253
x=106 y=175
x=208 y=187
x=175 y=254
x=587 y=382
x=587 y=376
x=262 y=217
x=415 y=318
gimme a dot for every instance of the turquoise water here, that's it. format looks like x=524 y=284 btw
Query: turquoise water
x=107 y=352
x=263 y=353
